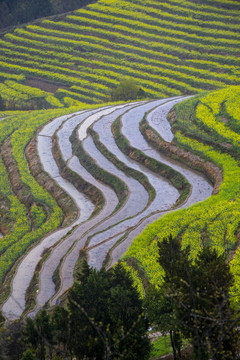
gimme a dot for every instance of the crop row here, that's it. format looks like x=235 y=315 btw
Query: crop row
x=8 y=75
x=105 y=77
x=209 y=110
x=89 y=42
x=203 y=9
x=153 y=32
x=17 y=212
x=155 y=51
x=174 y=9
x=48 y=60
x=161 y=15
x=20 y=95
x=87 y=98
x=159 y=71
x=159 y=68
x=48 y=74
x=109 y=40
x=182 y=70
x=151 y=46
x=171 y=73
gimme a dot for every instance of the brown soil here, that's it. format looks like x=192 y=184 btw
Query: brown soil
x=6 y=223
x=225 y=120
x=49 y=86
x=63 y=199
x=172 y=116
x=88 y=189
x=20 y=190
x=226 y=145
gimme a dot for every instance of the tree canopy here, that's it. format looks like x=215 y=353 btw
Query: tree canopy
x=14 y=12
x=127 y=89
x=200 y=293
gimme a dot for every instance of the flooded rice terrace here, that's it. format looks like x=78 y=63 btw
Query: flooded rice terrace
x=117 y=220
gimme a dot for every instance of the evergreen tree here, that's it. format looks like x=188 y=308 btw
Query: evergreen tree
x=39 y=333
x=160 y=310
x=127 y=90
x=106 y=317
x=200 y=293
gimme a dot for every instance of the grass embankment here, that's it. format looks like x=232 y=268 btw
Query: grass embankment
x=81 y=184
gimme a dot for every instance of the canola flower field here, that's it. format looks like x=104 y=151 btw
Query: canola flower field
x=169 y=48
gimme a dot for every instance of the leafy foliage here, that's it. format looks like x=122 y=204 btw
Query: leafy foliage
x=127 y=90
x=106 y=316
x=201 y=309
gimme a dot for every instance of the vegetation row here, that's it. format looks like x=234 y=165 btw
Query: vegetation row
x=87 y=53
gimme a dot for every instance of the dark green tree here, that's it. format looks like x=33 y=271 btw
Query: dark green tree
x=28 y=355
x=39 y=333
x=12 y=341
x=160 y=309
x=107 y=320
x=201 y=304
x=60 y=322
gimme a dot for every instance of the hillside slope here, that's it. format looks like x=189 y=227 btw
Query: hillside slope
x=169 y=47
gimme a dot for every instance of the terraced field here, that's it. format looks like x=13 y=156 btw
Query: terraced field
x=132 y=193
x=89 y=179
x=170 y=48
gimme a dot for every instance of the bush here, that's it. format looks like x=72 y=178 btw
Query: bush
x=127 y=90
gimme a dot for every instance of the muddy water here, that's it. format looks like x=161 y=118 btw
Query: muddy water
x=135 y=203
x=46 y=284
x=66 y=130
x=82 y=131
x=166 y=194
x=98 y=253
x=138 y=196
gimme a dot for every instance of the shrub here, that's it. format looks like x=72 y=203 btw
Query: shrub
x=127 y=90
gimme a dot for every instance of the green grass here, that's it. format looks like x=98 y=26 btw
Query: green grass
x=160 y=346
